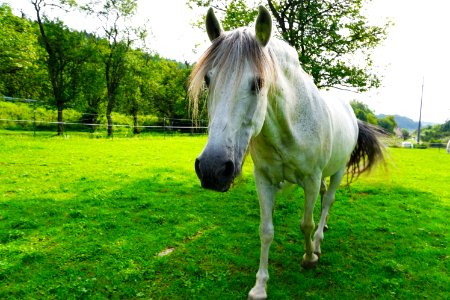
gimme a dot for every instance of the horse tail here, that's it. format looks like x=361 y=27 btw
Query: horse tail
x=368 y=151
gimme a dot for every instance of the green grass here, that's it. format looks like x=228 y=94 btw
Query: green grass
x=87 y=218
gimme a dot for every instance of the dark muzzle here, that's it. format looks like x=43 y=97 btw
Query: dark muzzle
x=215 y=173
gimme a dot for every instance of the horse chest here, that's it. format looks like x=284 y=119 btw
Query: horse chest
x=278 y=163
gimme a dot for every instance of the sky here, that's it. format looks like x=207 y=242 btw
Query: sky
x=416 y=50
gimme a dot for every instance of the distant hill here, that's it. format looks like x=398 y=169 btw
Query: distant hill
x=406 y=123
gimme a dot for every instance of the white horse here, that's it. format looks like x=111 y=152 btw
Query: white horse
x=260 y=100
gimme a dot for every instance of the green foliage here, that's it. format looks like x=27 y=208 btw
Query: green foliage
x=118 y=31
x=363 y=112
x=405 y=134
x=65 y=60
x=328 y=35
x=237 y=14
x=388 y=123
x=438 y=133
x=90 y=74
x=21 y=68
x=27 y=112
x=170 y=98
x=92 y=221
x=64 y=55
x=17 y=42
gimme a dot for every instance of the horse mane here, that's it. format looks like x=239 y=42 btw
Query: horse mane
x=229 y=54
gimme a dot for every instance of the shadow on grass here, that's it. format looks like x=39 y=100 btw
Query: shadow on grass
x=104 y=241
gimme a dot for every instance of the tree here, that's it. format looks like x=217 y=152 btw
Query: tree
x=171 y=99
x=132 y=91
x=363 y=112
x=405 y=134
x=116 y=17
x=327 y=34
x=388 y=123
x=437 y=133
x=63 y=59
x=92 y=87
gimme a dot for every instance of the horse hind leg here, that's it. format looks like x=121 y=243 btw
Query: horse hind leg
x=311 y=188
x=328 y=198
x=323 y=190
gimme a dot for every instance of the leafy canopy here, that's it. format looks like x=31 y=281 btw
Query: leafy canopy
x=333 y=38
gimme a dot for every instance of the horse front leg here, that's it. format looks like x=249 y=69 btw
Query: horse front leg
x=311 y=186
x=266 y=194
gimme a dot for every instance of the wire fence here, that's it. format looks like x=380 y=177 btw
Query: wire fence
x=33 y=116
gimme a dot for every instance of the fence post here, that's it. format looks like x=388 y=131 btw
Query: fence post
x=34 y=119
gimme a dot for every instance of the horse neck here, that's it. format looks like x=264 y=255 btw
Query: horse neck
x=294 y=96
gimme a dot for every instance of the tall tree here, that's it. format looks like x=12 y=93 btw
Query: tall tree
x=327 y=34
x=116 y=19
x=62 y=57
x=133 y=101
x=91 y=86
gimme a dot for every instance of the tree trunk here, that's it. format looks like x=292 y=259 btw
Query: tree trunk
x=135 y=124
x=110 y=123
x=93 y=120
x=60 y=120
x=109 y=109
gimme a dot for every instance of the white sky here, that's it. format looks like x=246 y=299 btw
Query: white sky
x=417 y=47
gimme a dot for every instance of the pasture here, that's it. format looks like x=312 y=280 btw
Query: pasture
x=126 y=218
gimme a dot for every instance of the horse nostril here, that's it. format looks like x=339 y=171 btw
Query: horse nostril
x=197 y=168
x=227 y=171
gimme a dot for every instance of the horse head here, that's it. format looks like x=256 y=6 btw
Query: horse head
x=236 y=70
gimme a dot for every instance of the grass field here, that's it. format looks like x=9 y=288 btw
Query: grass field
x=126 y=218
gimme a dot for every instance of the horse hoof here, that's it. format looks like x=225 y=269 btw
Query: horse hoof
x=310 y=263
x=318 y=254
x=326 y=228
x=257 y=294
x=256 y=298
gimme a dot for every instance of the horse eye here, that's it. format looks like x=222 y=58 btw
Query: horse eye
x=257 y=85
x=207 y=80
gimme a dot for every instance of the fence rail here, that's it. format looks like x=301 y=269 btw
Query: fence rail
x=114 y=125
x=166 y=125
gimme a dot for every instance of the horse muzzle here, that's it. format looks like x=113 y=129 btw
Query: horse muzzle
x=215 y=173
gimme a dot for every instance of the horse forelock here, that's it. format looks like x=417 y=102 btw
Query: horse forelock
x=229 y=54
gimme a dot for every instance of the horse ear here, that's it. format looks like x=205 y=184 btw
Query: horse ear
x=263 y=27
x=212 y=25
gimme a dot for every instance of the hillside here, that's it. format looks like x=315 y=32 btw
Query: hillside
x=406 y=123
